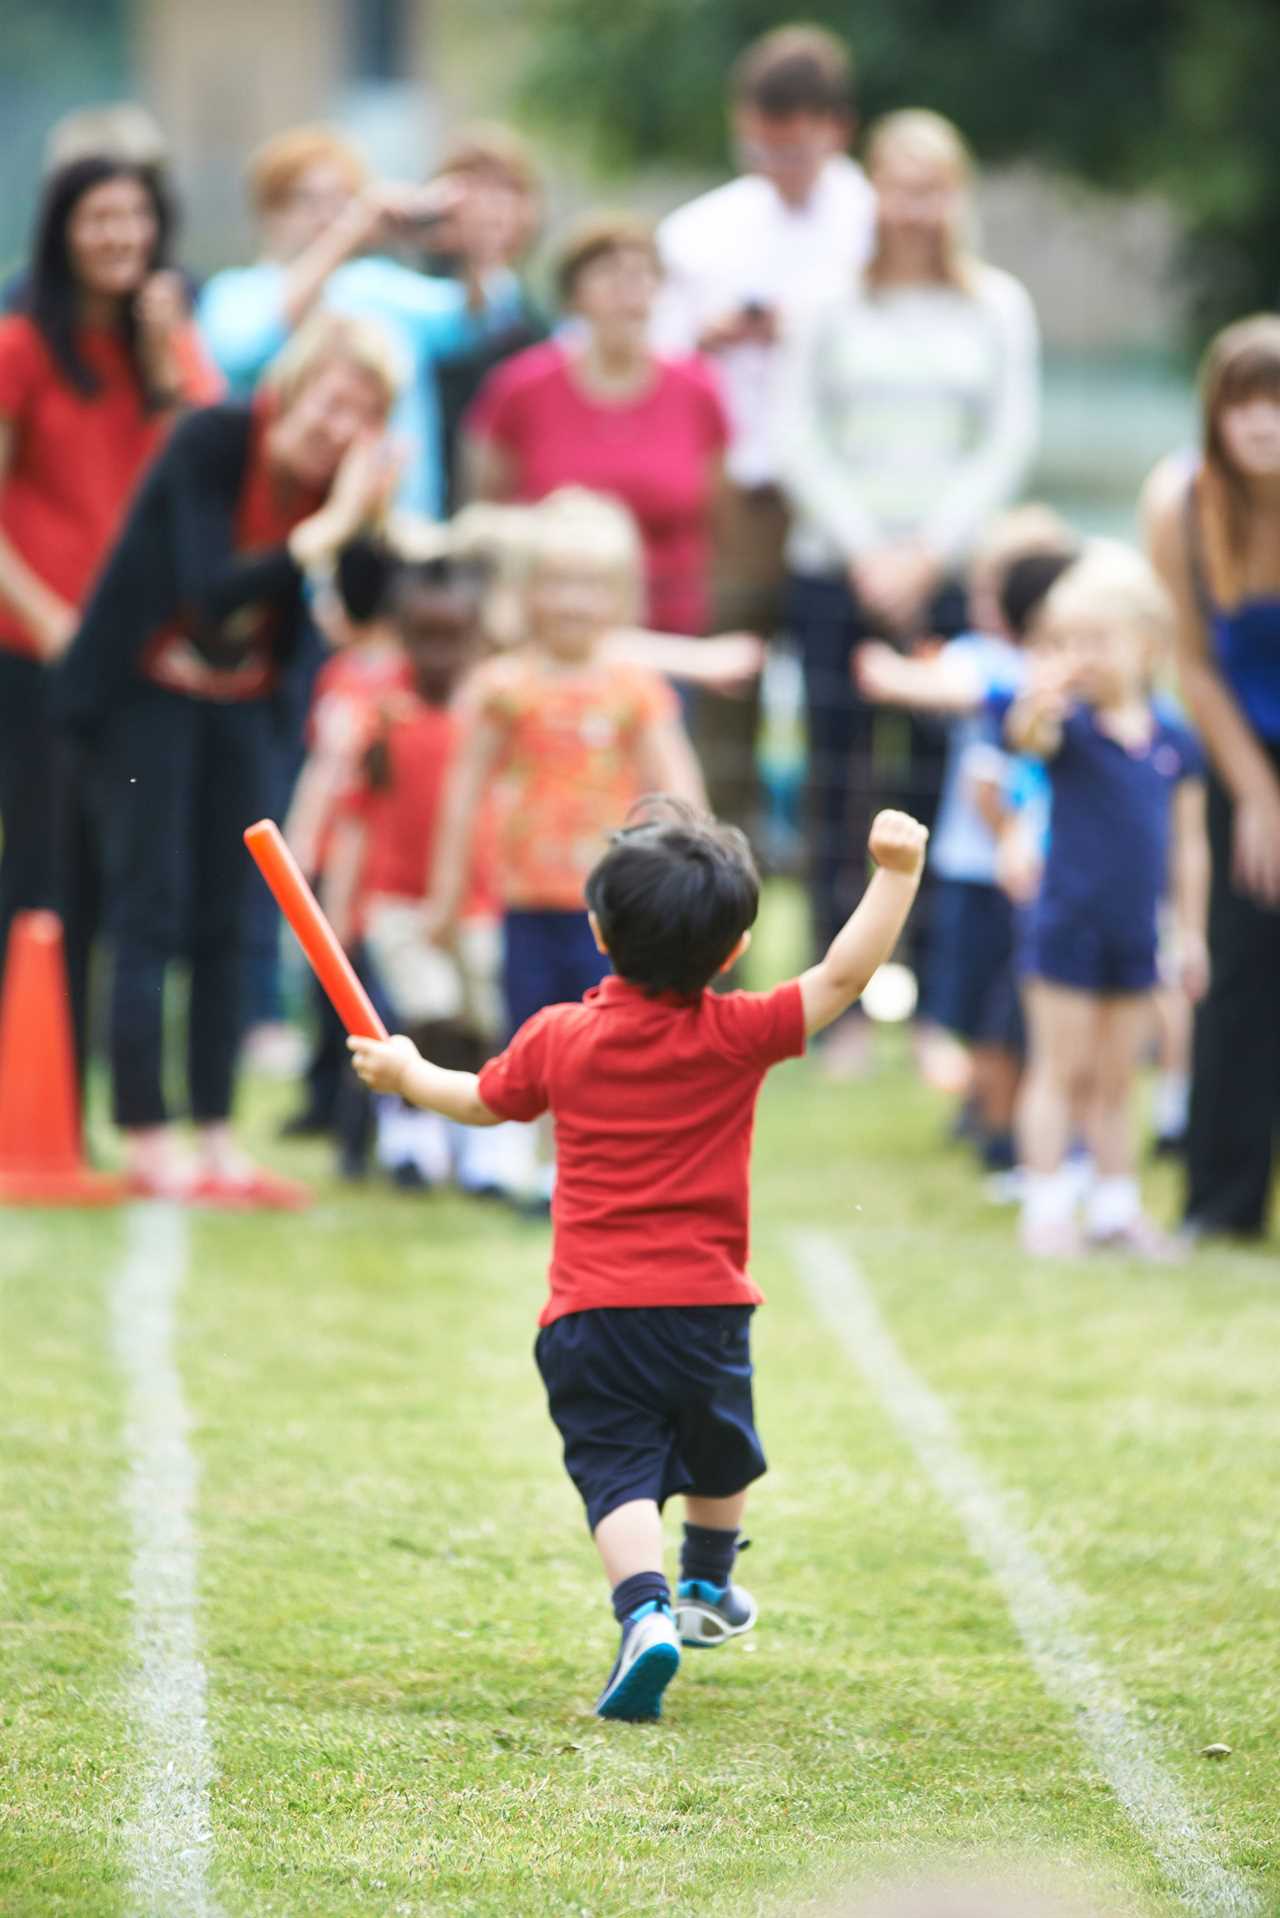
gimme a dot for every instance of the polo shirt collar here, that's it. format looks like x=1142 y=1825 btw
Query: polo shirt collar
x=613 y=991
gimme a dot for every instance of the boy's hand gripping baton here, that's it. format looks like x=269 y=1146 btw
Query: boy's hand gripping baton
x=314 y=933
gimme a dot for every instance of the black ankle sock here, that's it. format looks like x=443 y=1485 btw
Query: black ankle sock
x=642 y=1588
x=708 y=1553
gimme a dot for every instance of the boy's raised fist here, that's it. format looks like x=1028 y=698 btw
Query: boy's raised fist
x=897 y=842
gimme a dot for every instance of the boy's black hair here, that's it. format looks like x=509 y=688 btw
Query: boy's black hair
x=1026 y=581
x=672 y=897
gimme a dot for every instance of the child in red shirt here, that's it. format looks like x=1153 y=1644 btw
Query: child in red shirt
x=383 y=841
x=652 y=1081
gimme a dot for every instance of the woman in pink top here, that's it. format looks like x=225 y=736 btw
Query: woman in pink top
x=600 y=409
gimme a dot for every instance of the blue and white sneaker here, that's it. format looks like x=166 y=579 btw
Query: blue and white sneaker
x=648 y=1659
x=707 y=1615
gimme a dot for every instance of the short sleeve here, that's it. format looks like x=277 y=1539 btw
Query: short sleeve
x=242 y=321
x=763 y=1028
x=514 y=1085
x=1190 y=752
x=20 y=367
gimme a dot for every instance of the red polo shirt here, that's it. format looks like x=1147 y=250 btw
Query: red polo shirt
x=654 y=1105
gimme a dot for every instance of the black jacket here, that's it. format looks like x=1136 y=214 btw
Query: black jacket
x=176 y=560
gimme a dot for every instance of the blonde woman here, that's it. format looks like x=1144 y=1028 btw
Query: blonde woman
x=171 y=680
x=907 y=416
x=1213 y=526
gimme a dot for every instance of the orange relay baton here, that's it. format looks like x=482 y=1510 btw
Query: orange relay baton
x=314 y=933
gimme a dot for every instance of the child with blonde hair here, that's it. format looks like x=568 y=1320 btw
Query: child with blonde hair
x=568 y=737
x=1127 y=811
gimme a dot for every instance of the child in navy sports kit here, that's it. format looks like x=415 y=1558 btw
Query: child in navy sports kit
x=1126 y=825
x=652 y=1081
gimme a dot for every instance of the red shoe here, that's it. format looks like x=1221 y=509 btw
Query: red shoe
x=254 y=1191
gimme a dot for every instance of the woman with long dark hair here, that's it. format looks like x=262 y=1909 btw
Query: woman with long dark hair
x=1213 y=525
x=92 y=371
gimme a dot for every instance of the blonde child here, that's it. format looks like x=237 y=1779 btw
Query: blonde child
x=568 y=736
x=1127 y=805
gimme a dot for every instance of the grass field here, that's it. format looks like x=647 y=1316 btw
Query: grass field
x=403 y=1627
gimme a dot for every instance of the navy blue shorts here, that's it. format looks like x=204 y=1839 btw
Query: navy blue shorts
x=651 y=1401
x=1091 y=957
x=971 y=947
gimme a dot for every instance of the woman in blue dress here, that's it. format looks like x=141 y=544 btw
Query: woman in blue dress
x=1213 y=528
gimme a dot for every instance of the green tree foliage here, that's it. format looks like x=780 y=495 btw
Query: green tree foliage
x=1179 y=96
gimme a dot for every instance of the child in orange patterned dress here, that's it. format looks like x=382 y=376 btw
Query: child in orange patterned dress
x=567 y=734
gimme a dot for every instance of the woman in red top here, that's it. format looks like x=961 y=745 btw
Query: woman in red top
x=602 y=410
x=92 y=372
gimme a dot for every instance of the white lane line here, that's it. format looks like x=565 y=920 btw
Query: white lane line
x=1042 y=1610
x=169 y=1835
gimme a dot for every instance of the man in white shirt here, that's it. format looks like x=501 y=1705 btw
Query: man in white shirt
x=741 y=264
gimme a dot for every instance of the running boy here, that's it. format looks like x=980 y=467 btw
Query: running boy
x=652 y=1081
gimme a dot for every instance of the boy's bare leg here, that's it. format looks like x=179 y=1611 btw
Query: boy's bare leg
x=718 y=1514
x=629 y=1540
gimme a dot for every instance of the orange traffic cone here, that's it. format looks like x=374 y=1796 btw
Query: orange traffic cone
x=40 y=1159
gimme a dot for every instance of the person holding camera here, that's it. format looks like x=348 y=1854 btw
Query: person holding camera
x=740 y=264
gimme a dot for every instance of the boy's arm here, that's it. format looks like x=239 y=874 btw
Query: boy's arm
x=1190 y=886
x=396 y=1065
x=668 y=763
x=942 y=684
x=897 y=846
x=468 y=778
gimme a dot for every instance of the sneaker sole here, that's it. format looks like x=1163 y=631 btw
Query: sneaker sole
x=701 y=1627
x=638 y=1696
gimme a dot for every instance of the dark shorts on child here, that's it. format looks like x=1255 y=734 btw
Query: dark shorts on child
x=1096 y=958
x=970 y=988
x=651 y=1401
